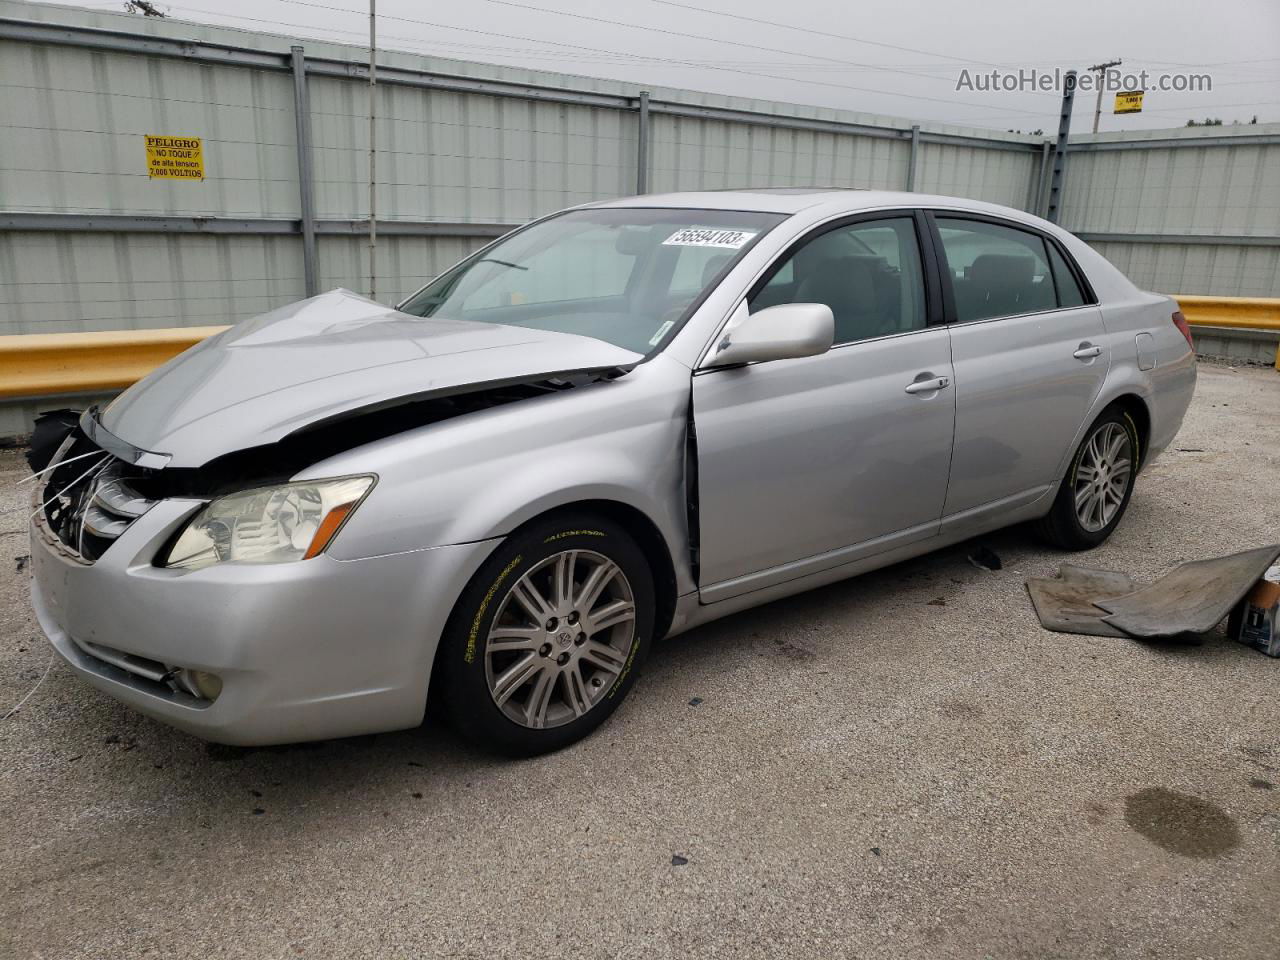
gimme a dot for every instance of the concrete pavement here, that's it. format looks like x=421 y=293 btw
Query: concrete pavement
x=903 y=765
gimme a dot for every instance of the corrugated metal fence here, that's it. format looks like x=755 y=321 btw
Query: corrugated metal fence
x=90 y=242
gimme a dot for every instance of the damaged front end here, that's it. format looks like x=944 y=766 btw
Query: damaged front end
x=100 y=483
x=90 y=496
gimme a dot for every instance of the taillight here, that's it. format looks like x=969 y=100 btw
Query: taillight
x=1184 y=328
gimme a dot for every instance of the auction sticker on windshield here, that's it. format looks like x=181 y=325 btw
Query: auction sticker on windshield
x=708 y=237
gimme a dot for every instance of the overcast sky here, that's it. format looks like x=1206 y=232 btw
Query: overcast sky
x=900 y=58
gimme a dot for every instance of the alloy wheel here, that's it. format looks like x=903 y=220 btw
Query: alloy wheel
x=1102 y=476
x=561 y=639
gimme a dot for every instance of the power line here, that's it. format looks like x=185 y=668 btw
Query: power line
x=821 y=33
x=928 y=53
x=684 y=34
x=607 y=56
x=667 y=60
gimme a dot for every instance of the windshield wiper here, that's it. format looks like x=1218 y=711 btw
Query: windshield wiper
x=504 y=263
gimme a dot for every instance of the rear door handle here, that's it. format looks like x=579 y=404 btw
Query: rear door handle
x=928 y=386
x=1087 y=351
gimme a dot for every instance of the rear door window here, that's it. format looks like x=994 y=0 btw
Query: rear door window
x=996 y=271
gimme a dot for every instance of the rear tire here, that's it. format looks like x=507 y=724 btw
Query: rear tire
x=1095 y=491
x=548 y=637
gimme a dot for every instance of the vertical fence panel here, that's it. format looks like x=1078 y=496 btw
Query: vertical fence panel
x=471 y=145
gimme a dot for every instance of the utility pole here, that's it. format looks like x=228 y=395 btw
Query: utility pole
x=1101 y=70
x=373 y=179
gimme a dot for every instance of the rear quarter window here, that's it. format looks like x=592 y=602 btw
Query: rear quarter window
x=1069 y=292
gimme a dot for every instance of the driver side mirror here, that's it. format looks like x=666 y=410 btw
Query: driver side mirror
x=784 y=332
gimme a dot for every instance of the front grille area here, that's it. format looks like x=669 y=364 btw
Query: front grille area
x=89 y=500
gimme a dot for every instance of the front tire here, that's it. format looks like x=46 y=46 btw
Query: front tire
x=1099 y=481
x=548 y=637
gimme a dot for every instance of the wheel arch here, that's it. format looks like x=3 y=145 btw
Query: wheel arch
x=648 y=537
x=1130 y=397
x=1137 y=409
x=645 y=531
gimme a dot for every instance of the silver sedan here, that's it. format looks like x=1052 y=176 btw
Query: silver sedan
x=613 y=424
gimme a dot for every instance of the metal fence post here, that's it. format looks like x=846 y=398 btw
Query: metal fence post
x=306 y=178
x=1060 y=150
x=911 y=158
x=1042 y=173
x=1033 y=184
x=642 y=145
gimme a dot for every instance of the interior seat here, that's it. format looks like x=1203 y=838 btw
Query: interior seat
x=848 y=286
x=1002 y=285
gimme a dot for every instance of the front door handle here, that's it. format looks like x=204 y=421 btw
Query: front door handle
x=1087 y=351
x=928 y=386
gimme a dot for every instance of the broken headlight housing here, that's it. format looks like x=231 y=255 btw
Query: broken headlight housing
x=293 y=521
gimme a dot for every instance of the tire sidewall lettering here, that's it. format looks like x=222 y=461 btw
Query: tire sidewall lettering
x=469 y=652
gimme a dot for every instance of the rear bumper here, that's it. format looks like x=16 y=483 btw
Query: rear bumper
x=308 y=650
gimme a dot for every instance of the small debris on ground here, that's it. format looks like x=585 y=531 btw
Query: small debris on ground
x=937 y=602
x=876 y=851
x=22 y=561
x=695 y=701
x=678 y=861
x=984 y=558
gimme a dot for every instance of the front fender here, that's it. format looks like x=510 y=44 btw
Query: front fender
x=482 y=475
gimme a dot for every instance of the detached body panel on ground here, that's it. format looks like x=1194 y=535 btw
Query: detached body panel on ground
x=570 y=370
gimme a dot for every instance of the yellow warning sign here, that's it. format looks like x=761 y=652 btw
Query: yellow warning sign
x=175 y=158
x=1129 y=101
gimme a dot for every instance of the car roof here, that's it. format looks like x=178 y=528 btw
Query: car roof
x=790 y=200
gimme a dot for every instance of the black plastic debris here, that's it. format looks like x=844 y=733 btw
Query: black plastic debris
x=51 y=428
x=678 y=861
x=984 y=558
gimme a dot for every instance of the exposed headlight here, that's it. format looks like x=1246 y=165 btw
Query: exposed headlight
x=294 y=521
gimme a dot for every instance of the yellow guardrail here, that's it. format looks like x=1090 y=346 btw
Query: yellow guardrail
x=1249 y=313
x=1240 y=313
x=49 y=364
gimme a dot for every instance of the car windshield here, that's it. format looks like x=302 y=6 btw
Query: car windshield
x=625 y=275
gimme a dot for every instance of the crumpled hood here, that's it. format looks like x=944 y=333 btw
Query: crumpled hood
x=266 y=377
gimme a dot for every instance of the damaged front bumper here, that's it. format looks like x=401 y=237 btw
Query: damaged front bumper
x=305 y=650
